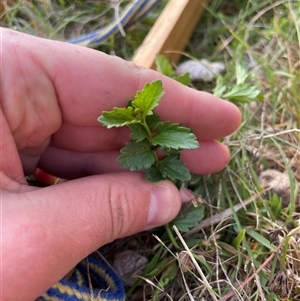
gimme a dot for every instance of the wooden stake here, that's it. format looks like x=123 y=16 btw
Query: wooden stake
x=171 y=32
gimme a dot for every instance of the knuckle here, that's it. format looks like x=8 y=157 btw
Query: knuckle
x=120 y=210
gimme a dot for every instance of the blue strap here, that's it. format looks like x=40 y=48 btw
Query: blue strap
x=134 y=11
x=106 y=285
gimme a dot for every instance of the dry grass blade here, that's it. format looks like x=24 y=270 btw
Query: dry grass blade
x=205 y=282
x=224 y=215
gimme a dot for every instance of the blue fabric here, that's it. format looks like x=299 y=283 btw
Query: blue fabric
x=106 y=284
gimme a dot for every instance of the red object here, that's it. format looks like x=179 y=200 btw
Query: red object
x=44 y=177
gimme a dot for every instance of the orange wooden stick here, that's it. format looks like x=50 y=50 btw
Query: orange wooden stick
x=171 y=32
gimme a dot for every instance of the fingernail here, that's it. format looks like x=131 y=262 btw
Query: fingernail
x=186 y=195
x=160 y=207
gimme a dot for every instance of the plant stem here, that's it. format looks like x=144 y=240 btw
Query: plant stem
x=145 y=125
x=171 y=236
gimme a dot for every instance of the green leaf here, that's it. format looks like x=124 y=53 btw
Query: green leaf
x=138 y=132
x=261 y=239
x=173 y=168
x=164 y=66
x=241 y=74
x=153 y=121
x=136 y=155
x=147 y=99
x=220 y=88
x=276 y=205
x=238 y=240
x=175 y=136
x=168 y=274
x=170 y=151
x=154 y=262
x=184 y=79
x=160 y=267
x=189 y=219
x=153 y=174
x=117 y=117
x=149 y=134
x=242 y=93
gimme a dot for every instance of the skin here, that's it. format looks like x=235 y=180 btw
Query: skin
x=51 y=96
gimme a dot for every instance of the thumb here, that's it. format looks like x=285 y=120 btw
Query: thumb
x=62 y=224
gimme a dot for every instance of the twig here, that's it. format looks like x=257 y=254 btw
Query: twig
x=185 y=284
x=204 y=280
x=89 y=278
x=271 y=135
x=219 y=217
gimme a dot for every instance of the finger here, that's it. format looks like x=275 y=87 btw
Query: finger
x=209 y=116
x=81 y=83
x=97 y=138
x=57 y=226
x=10 y=163
x=71 y=165
x=211 y=157
x=28 y=96
x=90 y=139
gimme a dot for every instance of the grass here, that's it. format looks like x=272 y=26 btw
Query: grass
x=63 y=20
x=241 y=253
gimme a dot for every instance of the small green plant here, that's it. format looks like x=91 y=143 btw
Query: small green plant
x=240 y=91
x=149 y=135
x=164 y=66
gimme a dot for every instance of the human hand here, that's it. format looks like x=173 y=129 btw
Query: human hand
x=51 y=96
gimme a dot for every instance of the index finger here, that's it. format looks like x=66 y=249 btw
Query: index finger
x=108 y=82
x=87 y=82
